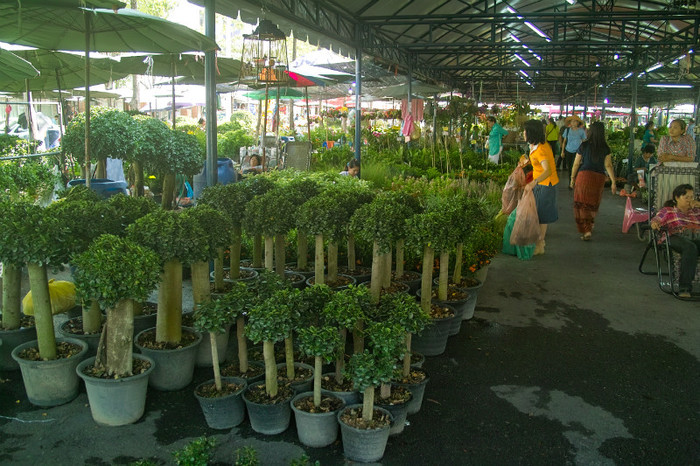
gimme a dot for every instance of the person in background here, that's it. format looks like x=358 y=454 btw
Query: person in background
x=352 y=168
x=551 y=132
x=649 y=136
x=545 y=179
x=574 y=135
x=691 y=129
x=496 y=134
x=681 y=217
x=563 y=126
x=202 y=124
x=642 y=162
x=593 y=160
x=677 y=146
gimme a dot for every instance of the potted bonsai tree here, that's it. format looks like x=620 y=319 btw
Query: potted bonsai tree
x=115 y=272
x=315 y=416
x=177 y=239
x=299 y=190
x=151 y=138
x=269 y=321
x=49 y=374
x=220 y=399
x=111 y=135
x=257 y=186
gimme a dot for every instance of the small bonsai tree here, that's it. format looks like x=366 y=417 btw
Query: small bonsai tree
x=177 y=239
x=269 y=322
x=386 y=340
x=402 y=309
x=151 y=139
x=354 y=194
x=299 y=190
x=84 y=221
x=347 y=309
x=114 y=272
x=323 y=344
x=213 y=316
x=216 y=229
x=129 y=209
x=12 y=216
x=239 y=301
x=229 y=199
x=111 y=135
x=430 y=231
x=381 y=223
x=257 y=186
x=375 y=365
x=323 y=216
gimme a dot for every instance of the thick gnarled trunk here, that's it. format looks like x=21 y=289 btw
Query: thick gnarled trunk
x=11 y=296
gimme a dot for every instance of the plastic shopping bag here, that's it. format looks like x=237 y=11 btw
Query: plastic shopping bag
x=526 y=229
x=512 y=190
x=523 y=252
x=61 y=294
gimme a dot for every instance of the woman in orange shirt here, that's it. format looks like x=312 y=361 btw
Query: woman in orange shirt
x=544 y=179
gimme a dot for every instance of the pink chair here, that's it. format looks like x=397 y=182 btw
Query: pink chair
x=633 y=216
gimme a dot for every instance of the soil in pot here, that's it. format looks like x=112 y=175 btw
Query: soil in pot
x=210 y=391
x=257 y=394
x=340 y=282
x=415 y=381
x=328 y=404
x=138 y=366
x=64 y=350
x=302 y=375
x=24 y=322
x=353 y=417
x=232 y=370
x=148 y=340
x=245 y=274
x=328 y=383
x=397 y=404
x=297 y=279
x=394 y=287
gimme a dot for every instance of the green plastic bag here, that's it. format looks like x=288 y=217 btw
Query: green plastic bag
x=523 y=252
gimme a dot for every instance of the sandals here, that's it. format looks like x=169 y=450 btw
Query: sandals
x=586 y=236
x=684 y=294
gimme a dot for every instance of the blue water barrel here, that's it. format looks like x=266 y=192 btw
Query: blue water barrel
x=102 y=186
x=225 y=172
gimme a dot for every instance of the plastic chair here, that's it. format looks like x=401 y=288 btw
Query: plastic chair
x=633 y=216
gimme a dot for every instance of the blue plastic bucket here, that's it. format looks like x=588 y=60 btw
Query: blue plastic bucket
x=102 y=186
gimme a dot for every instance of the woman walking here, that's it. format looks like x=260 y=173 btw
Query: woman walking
x=593 y=160
x=544 y=180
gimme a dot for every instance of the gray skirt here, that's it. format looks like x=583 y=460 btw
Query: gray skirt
x=546 y=201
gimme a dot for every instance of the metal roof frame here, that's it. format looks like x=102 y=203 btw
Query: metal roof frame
x=575 y=52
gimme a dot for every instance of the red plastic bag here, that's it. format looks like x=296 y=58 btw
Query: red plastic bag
x=526 y=229
x=513 y=190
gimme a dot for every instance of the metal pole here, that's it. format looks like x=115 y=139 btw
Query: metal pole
x=172 y=85
x=633 y=120
x=210 y=89
x=358 y=95
x=87 y=98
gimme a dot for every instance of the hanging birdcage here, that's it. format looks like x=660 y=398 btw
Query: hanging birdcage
x=264 y=56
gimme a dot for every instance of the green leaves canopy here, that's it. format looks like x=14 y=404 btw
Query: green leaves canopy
x=115 y=268
x=384 y=219
x=272 y=320
x=323 y=342
x=230 y=199
x=151 y=139
x=111 y=134
x=215 y=229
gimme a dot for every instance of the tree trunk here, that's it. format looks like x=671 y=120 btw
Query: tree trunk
x=400 y=248
x=457 y=273
x=351 y=252
x=386 y=270
x=11 y=296
x=318 y=368
x=384 y=391
x=119 y=339
x=444 y=269
x=219 y=271
x=426 y=283
x=101 y=168
x=375 y=286
x=168 y=191
x=407 y=356
x=302 y=251
x=242 y=345
x=201 y=292
x=319 y=279
x=340 y=360
x=279 y=254
x=368 y=404
x=270 y=253
x=138 y=179
x=289 y=356
x=92 y=317
x=169 y=319
x=235 y=259
x=332 y=261
x=215 y=361
x=43 y=318
x=358 y=339
x=257 y=251
x=270 y=369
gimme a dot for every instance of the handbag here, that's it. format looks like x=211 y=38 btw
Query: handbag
x=526 y=229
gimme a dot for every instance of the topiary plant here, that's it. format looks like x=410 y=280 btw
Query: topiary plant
x=114 y=272
x=323 y=344
x=213 y=316
x=257 y=186
x=151 y=138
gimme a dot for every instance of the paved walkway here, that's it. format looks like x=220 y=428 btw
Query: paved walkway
x=572 y=358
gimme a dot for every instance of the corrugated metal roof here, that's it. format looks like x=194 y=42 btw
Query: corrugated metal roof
x=541 y=51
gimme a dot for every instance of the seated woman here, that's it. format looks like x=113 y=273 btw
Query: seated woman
x=681 y=217
x=253 y=165
x=641 y=163
x=352 y=168
x=677 y=146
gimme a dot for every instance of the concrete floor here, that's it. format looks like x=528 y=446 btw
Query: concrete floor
x=573 y=357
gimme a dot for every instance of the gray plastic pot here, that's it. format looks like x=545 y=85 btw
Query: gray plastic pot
x=174 y=368
x=226 y=411
x=364 y=445
x=315 y=429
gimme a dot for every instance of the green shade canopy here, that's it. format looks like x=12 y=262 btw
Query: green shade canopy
x=14 y=69
x=47 y=26
x=62 y=70
x=189 y=67
x=285 y=93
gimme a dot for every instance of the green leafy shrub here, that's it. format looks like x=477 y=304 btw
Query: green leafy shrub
x=196 y=453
